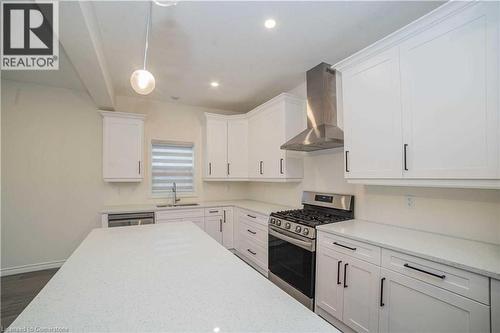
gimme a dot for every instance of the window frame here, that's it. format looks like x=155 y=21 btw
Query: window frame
x=192 y=194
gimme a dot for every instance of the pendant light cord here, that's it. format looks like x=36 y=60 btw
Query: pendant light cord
x=147 y=34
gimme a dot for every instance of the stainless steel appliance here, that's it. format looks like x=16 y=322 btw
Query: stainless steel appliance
x=128 y=219
x=322 y=130
x=292 y=241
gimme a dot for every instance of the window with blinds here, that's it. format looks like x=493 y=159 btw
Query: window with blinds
x=172 y=162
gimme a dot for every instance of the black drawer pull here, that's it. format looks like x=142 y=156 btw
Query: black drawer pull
x=345 y=275
x=347 y=247
x=254 y=217
x=252 y=232
x=346 y=157
x=254 y=253
x=405 y=148
x=382 y=291
x=338 y=272
x=421 y=270
x=213 y=211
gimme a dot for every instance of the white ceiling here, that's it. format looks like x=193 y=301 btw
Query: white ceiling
x=196 y=42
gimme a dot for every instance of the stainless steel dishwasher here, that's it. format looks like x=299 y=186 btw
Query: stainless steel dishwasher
x=128 y=219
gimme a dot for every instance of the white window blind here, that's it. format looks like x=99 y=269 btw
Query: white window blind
x=172 y=162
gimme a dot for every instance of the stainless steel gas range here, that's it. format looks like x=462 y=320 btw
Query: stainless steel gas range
x=292 y=241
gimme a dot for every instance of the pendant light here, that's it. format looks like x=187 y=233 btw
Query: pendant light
x=142 y=81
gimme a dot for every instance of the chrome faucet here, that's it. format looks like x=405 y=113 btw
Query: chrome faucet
x=174 y=195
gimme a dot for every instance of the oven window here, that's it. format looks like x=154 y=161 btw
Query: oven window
x=292 y=264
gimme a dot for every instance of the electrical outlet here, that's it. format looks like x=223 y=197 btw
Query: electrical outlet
x=410 y=201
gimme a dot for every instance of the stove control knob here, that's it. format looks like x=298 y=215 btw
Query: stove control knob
x=278 y=222
x=273 y=220
x=287 y=225
x=298 y=229
x=306 y=231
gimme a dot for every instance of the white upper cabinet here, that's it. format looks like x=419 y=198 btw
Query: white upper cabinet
x=421 y=106
x=271 y=125
x=248 y=146
x=372 y=121
x=216 y=148
x=237 y=148
x=123 y=141
x=449 y=75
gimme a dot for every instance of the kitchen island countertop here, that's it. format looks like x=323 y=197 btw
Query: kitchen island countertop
x=168 y=277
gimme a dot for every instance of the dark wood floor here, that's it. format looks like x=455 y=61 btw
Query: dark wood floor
x=19 y=290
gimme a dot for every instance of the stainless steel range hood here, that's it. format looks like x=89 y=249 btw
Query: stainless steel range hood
x=322 y=131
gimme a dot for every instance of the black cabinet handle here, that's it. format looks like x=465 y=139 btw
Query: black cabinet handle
x=213 y=211
x=224 y=215
x=254 y=253
x=345 y=246
x=281 y=166
x=261 y=163
x=254 y=217
x=382 y=291
x=346 y=157
x=345 y=275
x=252 y=232
x=338 y=272
x=405 y=147
x=139 y=167
x=220 y=225
x=210 y=168
x=228 y=169
x=424 y=271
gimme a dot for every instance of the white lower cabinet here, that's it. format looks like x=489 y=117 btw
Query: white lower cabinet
x=250 y=240
x=213 y=227
x=414 y=306
x=215 y=221
x=361 y=286
x=346 y=288
x=400 y=293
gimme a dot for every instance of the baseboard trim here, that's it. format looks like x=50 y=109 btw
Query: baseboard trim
x=31 y=267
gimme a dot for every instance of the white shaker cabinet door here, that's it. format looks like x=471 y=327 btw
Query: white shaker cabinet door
x=450 y=92
x=216 y=146
x=237 y=148
x=329 y=287
x=372 y=118
x=122 y=148
x=361 y=295
x=414 y=306
x=228 y=228
x=213 y=227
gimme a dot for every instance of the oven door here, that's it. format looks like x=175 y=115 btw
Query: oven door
x=292 y=258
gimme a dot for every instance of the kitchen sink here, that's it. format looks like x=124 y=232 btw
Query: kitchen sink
x=177 y=205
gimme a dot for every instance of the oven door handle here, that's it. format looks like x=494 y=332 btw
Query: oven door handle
x=309 y=246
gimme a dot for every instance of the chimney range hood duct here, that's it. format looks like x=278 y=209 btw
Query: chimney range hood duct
x=322 y=131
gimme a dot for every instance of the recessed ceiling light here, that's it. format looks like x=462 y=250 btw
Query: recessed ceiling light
x=270 y=23
x=214 y=84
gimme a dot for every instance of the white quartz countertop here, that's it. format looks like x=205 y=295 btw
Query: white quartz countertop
x=477 y=257
x=168 y=277
x=256 y=206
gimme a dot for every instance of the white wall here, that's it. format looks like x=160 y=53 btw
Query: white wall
x=52 y=188
x=467 y=213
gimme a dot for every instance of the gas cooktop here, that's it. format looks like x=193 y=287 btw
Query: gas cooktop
x=319 y=208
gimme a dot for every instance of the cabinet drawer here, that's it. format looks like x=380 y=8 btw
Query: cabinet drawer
x=214 y=211
x=178 y=214
x=351 y=247
x=251 y=217
x=254 y=232
x=464 y=283
x=254 y=252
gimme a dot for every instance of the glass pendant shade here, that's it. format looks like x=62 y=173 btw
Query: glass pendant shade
x=142 y=81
